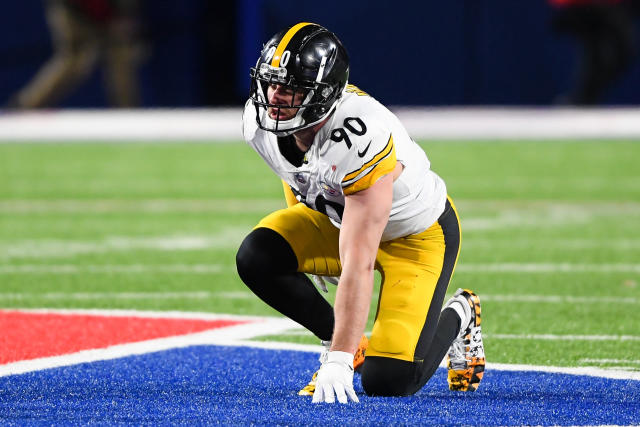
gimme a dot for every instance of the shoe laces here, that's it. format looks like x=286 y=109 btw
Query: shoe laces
x=458 y=351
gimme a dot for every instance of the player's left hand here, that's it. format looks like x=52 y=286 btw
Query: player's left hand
x=335 y=378
x=320 y=281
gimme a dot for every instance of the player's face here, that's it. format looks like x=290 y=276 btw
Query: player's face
x=283 y=95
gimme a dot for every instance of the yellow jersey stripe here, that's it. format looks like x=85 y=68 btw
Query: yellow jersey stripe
x=375 y=159
x=355 y=89
x=275 y=62
x=288 y=195
x=383 y=167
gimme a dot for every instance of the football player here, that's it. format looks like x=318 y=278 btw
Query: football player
x=361 y=196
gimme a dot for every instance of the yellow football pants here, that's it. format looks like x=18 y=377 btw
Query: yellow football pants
x=410 y=268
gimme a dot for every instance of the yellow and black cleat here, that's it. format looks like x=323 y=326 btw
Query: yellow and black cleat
x=465 y=359
x=358 y=358
x=310 y=388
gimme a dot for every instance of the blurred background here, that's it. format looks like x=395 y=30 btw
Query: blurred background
x=196 y=53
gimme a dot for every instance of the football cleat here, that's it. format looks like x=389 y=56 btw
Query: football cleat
x=465 y=359
x=358 y=361
x=358 y=358
x=310 y=388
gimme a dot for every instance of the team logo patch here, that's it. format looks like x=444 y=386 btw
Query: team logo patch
x=328 y=189
x=300 y=177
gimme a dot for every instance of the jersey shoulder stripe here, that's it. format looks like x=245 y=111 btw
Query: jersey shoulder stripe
x=382 y=163
x=376 y=158
x=355 y=89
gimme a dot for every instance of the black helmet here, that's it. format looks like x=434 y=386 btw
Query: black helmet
x=310 y=60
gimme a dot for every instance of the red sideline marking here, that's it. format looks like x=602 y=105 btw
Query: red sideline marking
x=25 y=336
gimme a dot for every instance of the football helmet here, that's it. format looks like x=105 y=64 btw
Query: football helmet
x=308 y=59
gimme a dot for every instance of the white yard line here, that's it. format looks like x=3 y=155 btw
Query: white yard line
x=538 y=337
x=226 y=238
x=198 y=315
x=500 y=215
x=113 y=268
x=475 y=213
x=233 y=336
x=509 y=243
x=198 y=294
x=546 y=267
x=559 y=299
x=553 y=337
x=617 y=374
x=512 y=267
x=581 y=371
x=64 y=296
x=602 y=361
x=234 y=295
x=99 y=206
x=230 y=238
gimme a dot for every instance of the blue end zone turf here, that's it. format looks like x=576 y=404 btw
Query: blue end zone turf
x=211 y=384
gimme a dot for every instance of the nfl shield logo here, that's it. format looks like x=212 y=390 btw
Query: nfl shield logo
x=300 y=178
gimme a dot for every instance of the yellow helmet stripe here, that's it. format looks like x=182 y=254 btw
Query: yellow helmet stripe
x=275 y=62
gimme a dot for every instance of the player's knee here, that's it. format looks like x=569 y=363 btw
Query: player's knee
x=264 y=253
x=251 y=259
x=383 y=376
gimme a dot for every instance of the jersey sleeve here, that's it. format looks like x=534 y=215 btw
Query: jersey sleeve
x=364 y=170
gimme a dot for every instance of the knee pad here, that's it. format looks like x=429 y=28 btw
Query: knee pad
x=262 y=253
x=383 y=376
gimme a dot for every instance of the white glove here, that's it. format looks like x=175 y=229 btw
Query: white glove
x=335 y=374
x=320 y=281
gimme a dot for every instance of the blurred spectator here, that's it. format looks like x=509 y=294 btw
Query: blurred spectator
x=605 y=29
x=84 y=32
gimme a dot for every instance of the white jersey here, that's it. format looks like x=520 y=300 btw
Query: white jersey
x=360 y=142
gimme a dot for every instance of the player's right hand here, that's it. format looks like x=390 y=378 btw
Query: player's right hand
x=335 y=379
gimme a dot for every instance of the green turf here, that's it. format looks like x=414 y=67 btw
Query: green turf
x=121 y=225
